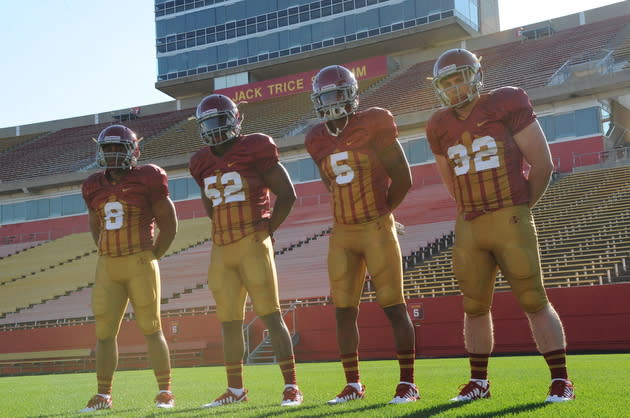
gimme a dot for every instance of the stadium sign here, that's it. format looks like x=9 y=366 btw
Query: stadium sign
x=301 y=82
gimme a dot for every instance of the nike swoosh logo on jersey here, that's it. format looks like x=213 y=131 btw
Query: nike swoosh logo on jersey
x=230 y=164
x=483 y=122
x=126 y=189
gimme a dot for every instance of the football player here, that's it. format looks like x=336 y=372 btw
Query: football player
x=481 y=142
x=125 y=202
x=236 y=172
x=362 y=164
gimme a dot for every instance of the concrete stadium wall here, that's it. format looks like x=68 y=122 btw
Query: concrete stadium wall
x=596 y=318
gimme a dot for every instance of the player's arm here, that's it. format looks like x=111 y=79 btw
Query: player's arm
x=95 y=225
x=533 y=144
x=444 y=169
x=207 y=203
x=395 y=163
x=278 y=181
x=166 y=220
x=325 y=181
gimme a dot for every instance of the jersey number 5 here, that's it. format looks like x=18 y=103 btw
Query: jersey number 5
x=485 y=156
x=343 y=172
x=232 y=190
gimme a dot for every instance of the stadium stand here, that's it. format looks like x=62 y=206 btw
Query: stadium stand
x=6 y=144
x=26 y=274
x=190 y=233
x=38 y=362
x=74 y=307
x=181 y=138
x=274 y=117
x=526 y=64
x=69 y=150
x=404 y=91
x=47 y=284
x=8 y=250
x=46 y=256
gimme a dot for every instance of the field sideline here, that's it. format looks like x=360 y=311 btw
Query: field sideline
x=519 y=387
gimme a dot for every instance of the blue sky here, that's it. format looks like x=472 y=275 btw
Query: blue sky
x=66 y=58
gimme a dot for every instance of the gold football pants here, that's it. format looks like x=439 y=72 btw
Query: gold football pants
x=244 y=267
x=371 y=246
x=504 y=239
x=134 y=278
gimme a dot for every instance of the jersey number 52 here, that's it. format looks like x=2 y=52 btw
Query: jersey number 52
x=231 y=189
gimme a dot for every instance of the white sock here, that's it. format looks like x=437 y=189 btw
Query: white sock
x=237 y=392
x=483 y=382
x=103 y=395
x=357 y=386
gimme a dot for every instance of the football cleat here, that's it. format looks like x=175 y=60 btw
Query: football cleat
x=165 y=399
x=227 y=398
x=349 y=393
x=98 y=402
x=292 y=396
x=561 y=390
x=473 y=390
x=405 y=392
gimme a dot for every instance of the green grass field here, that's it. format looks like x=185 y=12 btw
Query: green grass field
x=519 y=387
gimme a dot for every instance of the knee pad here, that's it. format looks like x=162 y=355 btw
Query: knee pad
x=147 y=321
x=522 y=270
x=106 y=329
x=475 y=308
x=532 y=300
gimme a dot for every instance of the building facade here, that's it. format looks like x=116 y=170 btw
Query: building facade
x=210 y=38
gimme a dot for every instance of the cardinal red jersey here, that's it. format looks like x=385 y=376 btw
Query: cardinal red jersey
x=350 y=162
x=235 y=185
x=486 y=162
x=125 y=208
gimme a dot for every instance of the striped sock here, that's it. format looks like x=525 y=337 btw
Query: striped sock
x=163 y=379
x=104 y=384
x=234 y=374
x=557 y=362
x=405 y=362
x=350 y=362
x=287 y=367
x=478 y=366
